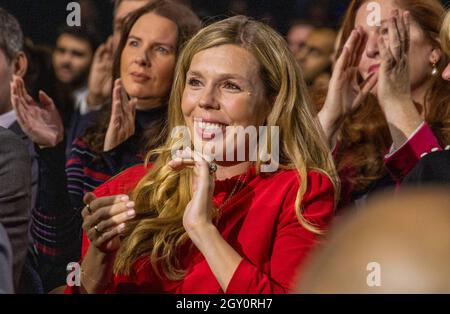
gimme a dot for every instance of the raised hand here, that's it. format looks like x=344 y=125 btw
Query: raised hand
x=394 y=84
x=41 y=123
x=198 y=212
x=345 y=95
x=122 y=123
x=100 y=76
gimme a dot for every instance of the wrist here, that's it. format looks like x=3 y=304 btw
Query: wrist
x=330 y=122
x=201 y=233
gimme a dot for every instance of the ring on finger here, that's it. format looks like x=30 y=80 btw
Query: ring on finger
x=212 y=167
x=89 y=209
x=97 y=230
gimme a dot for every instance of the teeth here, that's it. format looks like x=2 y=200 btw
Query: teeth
x=208 y=126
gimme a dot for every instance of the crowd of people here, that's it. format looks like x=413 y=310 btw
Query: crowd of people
x=93 y=170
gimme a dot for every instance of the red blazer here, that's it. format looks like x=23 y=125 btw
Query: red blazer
x=259 y=222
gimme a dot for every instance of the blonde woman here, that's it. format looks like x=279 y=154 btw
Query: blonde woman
x=184 y=225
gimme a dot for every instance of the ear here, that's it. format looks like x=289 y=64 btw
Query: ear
x=435 y=55
x=20 y=64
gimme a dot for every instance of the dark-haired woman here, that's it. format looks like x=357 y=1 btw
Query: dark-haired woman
x=144 y=67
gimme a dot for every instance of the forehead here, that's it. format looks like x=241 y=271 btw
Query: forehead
x=226 y=59
x=300 y=31
x=155 y=27
x=369 y=10
x=69 y=41
x=323 y=40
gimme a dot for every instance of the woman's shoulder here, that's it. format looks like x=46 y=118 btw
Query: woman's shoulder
x=123 y=182
x=319 y=185
x=315 y=178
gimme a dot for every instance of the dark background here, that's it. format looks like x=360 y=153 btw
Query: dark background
x=40 y=19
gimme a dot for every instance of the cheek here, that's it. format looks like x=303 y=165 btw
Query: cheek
x=188 y=102
x=166 y=70
x=364 y=63
x=241 y=111
x=420 y=67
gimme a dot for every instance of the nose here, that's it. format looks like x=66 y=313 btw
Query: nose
x=301 y=55
x=372 y=45
x=446 y=73
x=143 y=58
x=66 y=57
x=208 y=99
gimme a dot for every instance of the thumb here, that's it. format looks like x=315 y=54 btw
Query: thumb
x=89 y=197
x=45 y=100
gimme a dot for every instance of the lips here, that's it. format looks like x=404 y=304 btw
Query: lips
x=374 y=68
x=139 y=77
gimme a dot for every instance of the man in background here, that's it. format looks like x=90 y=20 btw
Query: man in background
x=297 y=35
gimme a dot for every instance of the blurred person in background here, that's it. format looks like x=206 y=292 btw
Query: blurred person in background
x=407 y=235
x=297 y=34
x=72 y=59
x=315 y=59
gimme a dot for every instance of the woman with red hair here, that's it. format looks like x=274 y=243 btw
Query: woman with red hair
x=387 y=104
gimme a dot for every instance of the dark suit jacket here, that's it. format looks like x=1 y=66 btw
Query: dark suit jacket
x=15 y=127
x=6 y=281
x=15 y=196
x=433 y=169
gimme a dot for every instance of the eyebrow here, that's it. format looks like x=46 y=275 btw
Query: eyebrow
x=222 y=76
x=155 y=43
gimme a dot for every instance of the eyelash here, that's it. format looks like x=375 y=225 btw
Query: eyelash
x=234 y=86
x=162 y=50
x=193 y=82
x=229 y=85
x=133 y=43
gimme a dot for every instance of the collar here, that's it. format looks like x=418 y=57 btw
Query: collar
x=8 y=119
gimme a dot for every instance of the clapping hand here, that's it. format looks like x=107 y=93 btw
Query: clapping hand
x=122 y=122
x=40 y=122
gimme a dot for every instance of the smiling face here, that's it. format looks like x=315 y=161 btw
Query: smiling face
x=420 y=53
x=148 y=59
x=223 y=88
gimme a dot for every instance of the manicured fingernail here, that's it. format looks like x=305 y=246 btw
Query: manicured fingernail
x=131 y=213
x=130 y=205
x=121 y=227
x=125 y=198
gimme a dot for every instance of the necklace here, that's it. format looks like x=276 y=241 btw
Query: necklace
x=237 y=187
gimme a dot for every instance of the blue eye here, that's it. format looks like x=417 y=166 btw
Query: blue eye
x=162 y=50
x=193 y=82
x=232 y=86
x=133 y=43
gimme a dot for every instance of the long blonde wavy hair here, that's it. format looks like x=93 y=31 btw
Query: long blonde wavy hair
x=162 y=195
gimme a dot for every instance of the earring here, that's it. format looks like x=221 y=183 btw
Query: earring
x=434 y=71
